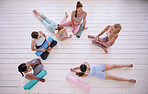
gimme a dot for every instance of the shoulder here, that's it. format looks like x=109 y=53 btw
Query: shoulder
x=33 y=41
x=73 y=12
x=85 y=13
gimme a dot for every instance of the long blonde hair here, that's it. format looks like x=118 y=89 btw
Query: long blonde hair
x=118 y=28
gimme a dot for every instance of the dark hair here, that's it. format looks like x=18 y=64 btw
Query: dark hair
x=80 y=73
x=34 y=34
x=83 y=68
x=78 y=6
x=59 y=27
x=22 y=68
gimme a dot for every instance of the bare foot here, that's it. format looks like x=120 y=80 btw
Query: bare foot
x=85 y=28
x=89 y=36
x=132 y=80
x=66 y=15
x=105 y=49
x=131 y=65
x=35 y=12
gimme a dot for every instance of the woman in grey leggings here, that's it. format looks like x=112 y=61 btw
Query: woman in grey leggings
x=109 y=39
x=31 y=69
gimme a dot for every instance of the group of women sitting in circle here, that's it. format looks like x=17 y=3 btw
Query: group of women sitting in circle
x=32 y=68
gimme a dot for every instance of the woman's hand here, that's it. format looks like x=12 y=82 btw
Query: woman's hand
x=72 y=70
x=73 y=29
x=70 y=36
x=42 y=80
x=43 y=49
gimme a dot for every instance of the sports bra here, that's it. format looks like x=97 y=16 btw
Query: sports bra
x=89 y=71
x=108 y=32
x=29 y=71
x=79 y=18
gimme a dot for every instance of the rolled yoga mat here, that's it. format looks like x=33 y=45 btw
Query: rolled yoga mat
x=33 y=82
x=78 y=83
x=38 y=53
x=81 y=29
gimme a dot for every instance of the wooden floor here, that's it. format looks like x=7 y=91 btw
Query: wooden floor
x=17 y=22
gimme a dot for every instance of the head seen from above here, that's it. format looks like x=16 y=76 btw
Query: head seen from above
x=36 y=35
x=79 y=8
x=22 y=68
x=115 y=29
x=83 y=68
x=61 y=29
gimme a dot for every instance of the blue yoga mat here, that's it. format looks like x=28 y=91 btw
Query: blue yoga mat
x=32 y=82
x=38 y=53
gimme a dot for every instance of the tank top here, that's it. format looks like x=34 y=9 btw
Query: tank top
x=79 y=18
x=29 y=71
x=40 y=41
x=108 y=33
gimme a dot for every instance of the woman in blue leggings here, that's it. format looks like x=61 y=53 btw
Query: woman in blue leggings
x=98 y=71
x=53 y=27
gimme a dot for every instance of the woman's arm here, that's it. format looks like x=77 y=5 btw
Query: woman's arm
x=106 y=28
x=76 y=68
x=108 y=42
x=34 y=63
x=84 y=19
x=31 y=76
x=45 y=37
x=72 y=70
x=33 y=49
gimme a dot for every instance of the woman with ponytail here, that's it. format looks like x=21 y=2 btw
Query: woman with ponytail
x=76 y=18
x=57 y=29
x=98 y=71
x=30 y=69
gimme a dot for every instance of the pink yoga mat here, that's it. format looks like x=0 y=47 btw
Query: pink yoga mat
x=78 y=83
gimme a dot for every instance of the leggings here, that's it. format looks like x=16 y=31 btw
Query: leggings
x=49 y=24
x=103 y=39
x=68 y=23
x=37 y=68
x=44 y=55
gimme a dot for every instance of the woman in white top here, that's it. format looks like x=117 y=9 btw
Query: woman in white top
x=38 y=38
x=30 y=69
x=109 y=39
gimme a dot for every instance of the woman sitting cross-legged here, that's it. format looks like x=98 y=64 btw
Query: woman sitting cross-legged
x=109 y=39
x=38 y=39
x=30 y=69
